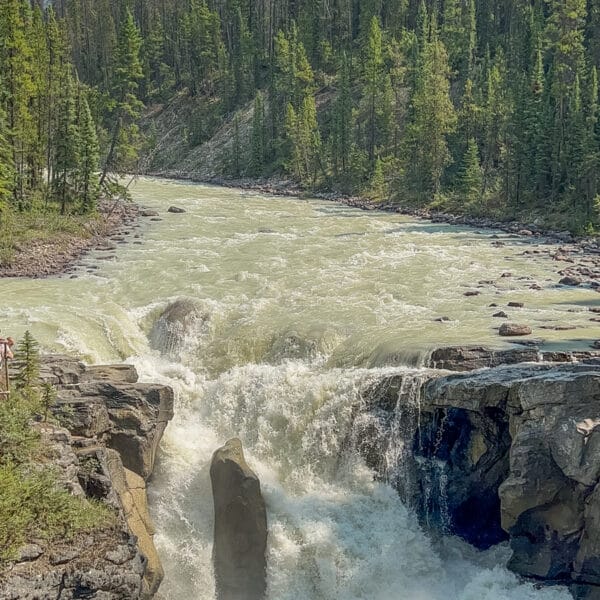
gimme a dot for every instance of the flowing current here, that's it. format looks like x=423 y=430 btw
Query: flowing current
x=302 y=304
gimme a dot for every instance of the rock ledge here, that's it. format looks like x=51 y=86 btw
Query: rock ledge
x=106 y=451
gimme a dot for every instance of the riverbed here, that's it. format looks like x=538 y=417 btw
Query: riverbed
x=304 y=304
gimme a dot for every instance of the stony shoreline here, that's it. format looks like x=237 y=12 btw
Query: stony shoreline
x=58 y=255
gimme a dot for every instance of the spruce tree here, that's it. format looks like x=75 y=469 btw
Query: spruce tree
x=591 y=157
x=341 y=135
x=16 y=71
x=6 y=161
x=309 y=138
x=258 y=149
x=375 y=89
x=67 y=146
x=377 y=185
x=28 y=359
x=127 y=73
x=88 y=155
x=471 y=177
x=432 y=119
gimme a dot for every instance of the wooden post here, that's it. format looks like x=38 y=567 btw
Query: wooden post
x=6 y=392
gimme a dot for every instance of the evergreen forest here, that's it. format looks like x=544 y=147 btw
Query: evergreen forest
x=487 y=107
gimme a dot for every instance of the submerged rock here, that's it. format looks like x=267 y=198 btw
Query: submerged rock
x=178 y=322
x=514 y=329
x=176 y=210
x=240 y=538
x=570 y=281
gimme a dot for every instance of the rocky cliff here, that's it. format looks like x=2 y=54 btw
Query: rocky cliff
x=510 y=452
x=105 y=448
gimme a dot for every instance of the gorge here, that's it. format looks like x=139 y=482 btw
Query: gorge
x=295 y=313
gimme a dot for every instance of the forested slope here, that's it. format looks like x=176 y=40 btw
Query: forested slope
x=486 y=107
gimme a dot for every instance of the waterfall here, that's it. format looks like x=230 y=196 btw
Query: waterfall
x=336 y=531
x=387 y=432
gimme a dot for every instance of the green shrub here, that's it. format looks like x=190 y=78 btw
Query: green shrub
x=34 y=507
x=18 y=440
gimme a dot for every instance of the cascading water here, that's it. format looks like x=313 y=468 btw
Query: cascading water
x=294 y=320
x=335 y=532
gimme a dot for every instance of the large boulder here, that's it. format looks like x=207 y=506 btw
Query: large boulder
x=128 y=417
x=181 y=320
x=514 y=329
x=240 y=537
x=467 y=358
x=470 y=358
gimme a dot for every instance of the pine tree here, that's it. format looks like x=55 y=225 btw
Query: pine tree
x=49 y=395
x=258 y=150
x=236 y=154
x=375 y=89
x=55 y=72
x=293 y=142
x=304 y=139
x=293 y=81
x=590 y=161
x=124 y=141
x=67 y=146
x=495 y=115
x=16 y=72
x=565 y=33
x=88 y=156
x=377 y=185
x=341 y=136
x=471 y=176
x=28 y=357
x=433 y=118
x=36 y=156
x=6 y=162
x=310 y=139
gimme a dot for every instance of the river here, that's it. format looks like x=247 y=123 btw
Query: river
x=305 y=303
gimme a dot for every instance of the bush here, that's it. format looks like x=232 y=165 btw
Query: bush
x=18 y=440
x=33 y=507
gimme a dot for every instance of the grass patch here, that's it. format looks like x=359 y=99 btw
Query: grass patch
x=17 y=229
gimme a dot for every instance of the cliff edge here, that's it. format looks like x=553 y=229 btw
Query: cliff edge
x=103 y=449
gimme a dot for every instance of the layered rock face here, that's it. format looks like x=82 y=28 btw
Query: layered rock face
x=105 y=451
x=240 y=539
x=508 y=452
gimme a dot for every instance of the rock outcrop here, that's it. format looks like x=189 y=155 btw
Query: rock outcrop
x=240 y=539
x=511 y=452
x=469 y=358
x=104 y=450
